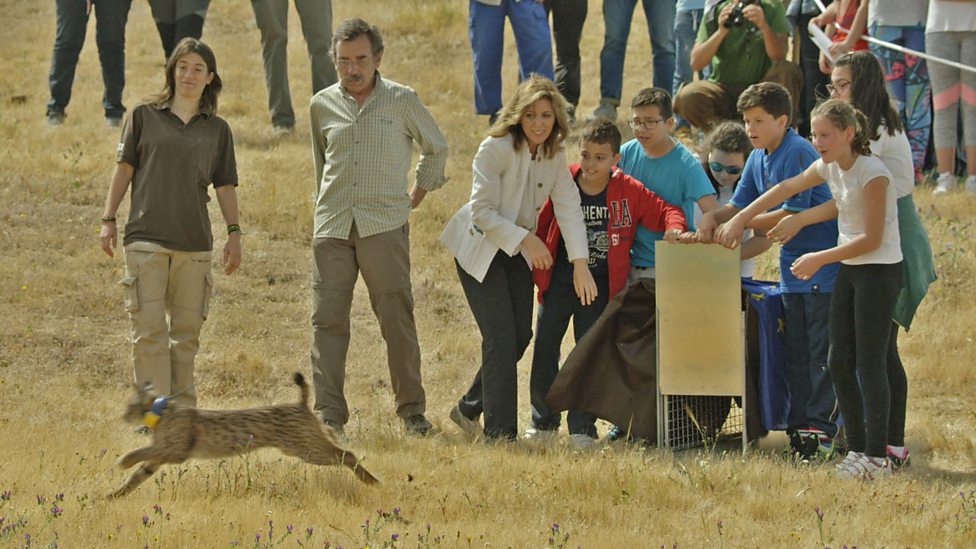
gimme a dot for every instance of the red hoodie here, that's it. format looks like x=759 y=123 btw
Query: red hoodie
x=629 y=203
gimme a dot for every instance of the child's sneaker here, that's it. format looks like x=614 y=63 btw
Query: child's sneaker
x=819 y=446
x=898 y=457
x=945 y=182
x=859 y=466
x=540 y=436
x=581 y=441
x=971 y=184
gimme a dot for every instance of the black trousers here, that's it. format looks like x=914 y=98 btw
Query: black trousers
x=502 y=307
x=860 y=327
x=568 y=17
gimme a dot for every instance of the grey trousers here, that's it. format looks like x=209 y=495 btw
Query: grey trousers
x=384 y=261
x=272 y=20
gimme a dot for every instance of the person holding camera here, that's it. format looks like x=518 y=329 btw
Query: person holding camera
x=745 y=42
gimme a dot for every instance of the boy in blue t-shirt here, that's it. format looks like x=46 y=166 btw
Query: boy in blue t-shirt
x=664 y=166
x=780 y=153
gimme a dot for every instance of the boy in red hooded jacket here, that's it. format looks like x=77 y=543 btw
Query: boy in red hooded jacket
x=613 y=205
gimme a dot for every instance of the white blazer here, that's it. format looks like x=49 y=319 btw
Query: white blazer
x=487 y=223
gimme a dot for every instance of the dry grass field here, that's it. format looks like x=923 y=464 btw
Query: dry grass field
x=65 y=359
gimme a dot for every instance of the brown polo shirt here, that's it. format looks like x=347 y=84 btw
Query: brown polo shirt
x=175 y=163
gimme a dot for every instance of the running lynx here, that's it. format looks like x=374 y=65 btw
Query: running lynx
x=180 y=433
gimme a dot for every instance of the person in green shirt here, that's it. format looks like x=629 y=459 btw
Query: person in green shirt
x=745 y=42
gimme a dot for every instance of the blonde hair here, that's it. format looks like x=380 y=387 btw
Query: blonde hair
x=843 y=115
x=529 y=91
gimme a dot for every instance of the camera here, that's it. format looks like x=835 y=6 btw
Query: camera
x=735 y=18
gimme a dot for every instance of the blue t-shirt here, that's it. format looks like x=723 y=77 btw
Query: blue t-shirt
x=761 y=172
x=677 y=177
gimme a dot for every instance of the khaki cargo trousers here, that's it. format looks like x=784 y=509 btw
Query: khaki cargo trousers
x=167 y=296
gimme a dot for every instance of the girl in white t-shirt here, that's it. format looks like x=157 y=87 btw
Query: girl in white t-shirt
x=868 y=282
x=858 y=78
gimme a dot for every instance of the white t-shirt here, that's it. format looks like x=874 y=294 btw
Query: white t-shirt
x=747 y=267
x=947 y=16
x=897 y=13
x=896 y=154
x=848 y=190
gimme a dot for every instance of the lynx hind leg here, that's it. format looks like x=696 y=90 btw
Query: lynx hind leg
x=138 y=476
x=352 y=462
x=326 y=452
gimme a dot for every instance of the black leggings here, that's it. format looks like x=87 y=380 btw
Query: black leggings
x=860 y=327
x=898 y=385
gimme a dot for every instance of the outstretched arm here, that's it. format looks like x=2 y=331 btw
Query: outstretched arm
x=730 y=234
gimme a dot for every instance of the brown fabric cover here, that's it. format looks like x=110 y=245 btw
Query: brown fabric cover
x=612 y=372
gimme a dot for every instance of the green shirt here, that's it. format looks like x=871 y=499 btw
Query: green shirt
x=741 y=58
x=362 y=156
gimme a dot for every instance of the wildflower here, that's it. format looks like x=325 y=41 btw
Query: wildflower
x=288 y=528
x=40 y=500
x=5 y=496
x=56 y=511
x=395 y=537
x=820 y=514
x=309 y=530
x=145 y=520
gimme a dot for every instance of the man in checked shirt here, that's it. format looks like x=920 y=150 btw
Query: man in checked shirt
x=363 y=131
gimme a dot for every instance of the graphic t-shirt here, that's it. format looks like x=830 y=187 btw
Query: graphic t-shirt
x=596 y=217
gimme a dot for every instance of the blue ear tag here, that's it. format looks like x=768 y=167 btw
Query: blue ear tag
x=151 y=418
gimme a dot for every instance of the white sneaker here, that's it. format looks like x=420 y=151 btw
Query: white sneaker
x=541 y=436
x=971 y=184
x=859 y=466
x=580 y=441
x=945 y=182
x=469 y=426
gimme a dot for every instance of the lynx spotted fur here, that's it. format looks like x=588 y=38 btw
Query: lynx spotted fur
x=182 y=433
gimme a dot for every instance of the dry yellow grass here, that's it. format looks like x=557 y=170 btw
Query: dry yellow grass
x=64 y=356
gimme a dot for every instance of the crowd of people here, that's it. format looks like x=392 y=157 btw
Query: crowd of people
x=854 y=258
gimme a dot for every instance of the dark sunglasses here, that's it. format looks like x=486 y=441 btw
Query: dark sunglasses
x=719 y=168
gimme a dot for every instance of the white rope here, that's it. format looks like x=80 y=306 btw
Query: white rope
x=898 y=48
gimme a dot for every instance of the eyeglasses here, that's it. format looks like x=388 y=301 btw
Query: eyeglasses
x=645 y=124
x=359 y=63
x=719 y=168
x=840 y=86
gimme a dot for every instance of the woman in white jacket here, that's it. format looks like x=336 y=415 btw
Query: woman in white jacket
x=518 y=166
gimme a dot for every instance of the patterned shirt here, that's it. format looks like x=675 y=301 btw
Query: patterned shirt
x=362 y=156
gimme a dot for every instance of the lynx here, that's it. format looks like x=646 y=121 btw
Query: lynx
x=180 y=433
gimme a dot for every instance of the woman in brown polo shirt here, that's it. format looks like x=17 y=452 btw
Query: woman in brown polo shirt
x=173 y=147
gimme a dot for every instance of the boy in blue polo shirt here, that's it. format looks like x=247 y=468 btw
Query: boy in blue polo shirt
x=780 y=153
x=664 y=166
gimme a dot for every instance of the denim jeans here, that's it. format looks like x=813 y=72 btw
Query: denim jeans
x=860 y=327
x=617 y=16
x=686 y=24
x=72 y=22
x=502 y=306
x=486 y=30
x=552 y=319
x=812 y=400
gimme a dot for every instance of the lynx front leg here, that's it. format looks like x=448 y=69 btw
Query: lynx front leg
x=135 y=456
x=138 y=476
